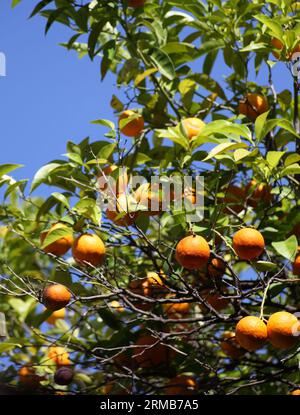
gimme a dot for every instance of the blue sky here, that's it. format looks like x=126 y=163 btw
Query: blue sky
x=50 y=96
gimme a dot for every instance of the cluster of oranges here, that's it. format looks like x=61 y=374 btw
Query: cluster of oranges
x=86 y=249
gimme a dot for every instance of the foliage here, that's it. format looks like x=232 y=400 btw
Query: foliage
x=163 y=55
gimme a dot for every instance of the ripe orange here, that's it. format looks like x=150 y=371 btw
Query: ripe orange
x=60 y=246
x=253 y=105
x=55 y=297
x=277 y=44
x=28 y=378
x=216 y=268
x=59 y=355
x=56 y=315
x=192 y=127
x=258 y=192
x=192 y=252
x=123 y=211
x=230 y=346
x=121 y=182
x=296 y=265
x=295 y=392
x=251 y=333
x=89 y=249
x=181 y=385
x=234 y=198
x=248 y=243
x=150 y=352
x=132 y=128
x=176 y=310
x=281 y=327
x=136 y=3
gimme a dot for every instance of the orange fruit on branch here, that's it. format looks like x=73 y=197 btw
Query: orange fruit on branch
x=192 y=127
x=60 y=246
x=253 y=105
x=278 y=45
x=134 y=127
x=192 y=252
x=251 y=333
x=89 y=249
x=181 y=385
x=59 y=356
x=248 y=243
x=55 y=297
x=296 y=264
x=56 y=315
x=28 y=377
x=282 y=329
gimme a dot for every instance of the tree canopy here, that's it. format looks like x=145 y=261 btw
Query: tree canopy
x=146 y=313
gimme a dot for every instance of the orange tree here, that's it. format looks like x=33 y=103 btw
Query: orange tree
x=148 y=300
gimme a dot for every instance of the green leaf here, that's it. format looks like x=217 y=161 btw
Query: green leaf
x=274 y=27
x=89 y=209
x=287 y=248
x=6 y=168
x=106 y=151
x=55 y=14
x=144 y=75
x=40 y=6
x=74 y=157
x=21 y=307
x=226 y=128
x=275 y=123
x=240 y=154
x=55 y=234
x=7 y=347
x=61 y=198
x=224 y=148
x=259 y=125
x=291 y=159
x=15 y=3
x=273 y=158
x=42 y=174
x=265 y=266
x=106 y=123
x=163 y=63
x=176 y=135
x=291 y=169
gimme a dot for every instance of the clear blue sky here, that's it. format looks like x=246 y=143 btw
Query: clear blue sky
x=49 y=95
